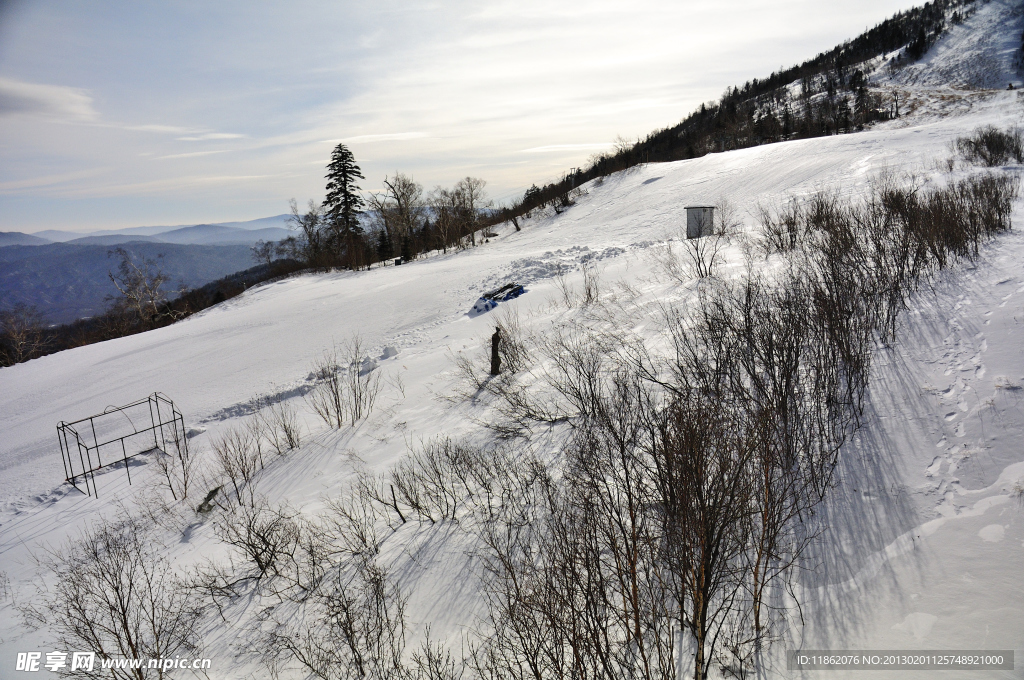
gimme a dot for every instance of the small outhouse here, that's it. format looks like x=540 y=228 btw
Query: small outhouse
x=700 y=220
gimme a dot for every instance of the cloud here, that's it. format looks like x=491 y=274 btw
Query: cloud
x=211 y=135
x=170 y=129
x=191 y=154
x=48 y=180
x=566 y=147
x=389 y=137
x=52 y=101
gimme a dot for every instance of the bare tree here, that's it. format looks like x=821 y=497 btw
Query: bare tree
x=117 y=595
x=703 y=255
x=22 y=334
x=474 y=199
x=278 y=425
x=263 y=252
x=399 y=210
x=312 y=229
x=140 y=282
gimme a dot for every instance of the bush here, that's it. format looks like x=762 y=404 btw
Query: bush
x=346 y=385
x=116 y=595
x=991 y=146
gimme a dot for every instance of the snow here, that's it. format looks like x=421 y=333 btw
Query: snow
x=926 y=525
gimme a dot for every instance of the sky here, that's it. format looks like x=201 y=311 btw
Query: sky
x=122 y=114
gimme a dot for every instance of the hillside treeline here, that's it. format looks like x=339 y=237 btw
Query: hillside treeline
x=402 y=221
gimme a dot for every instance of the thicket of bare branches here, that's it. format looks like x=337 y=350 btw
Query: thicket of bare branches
x=238 y=460
x=445 y=479
x=671 y=531
x=991 y=146
x=276 y=425
x=116 y=595
x=664 y=535
x=22 y=334
x=347 y=385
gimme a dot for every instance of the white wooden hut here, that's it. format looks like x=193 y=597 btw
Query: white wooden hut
x=700 y=220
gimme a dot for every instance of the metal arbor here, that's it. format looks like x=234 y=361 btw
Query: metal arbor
x=120 y=433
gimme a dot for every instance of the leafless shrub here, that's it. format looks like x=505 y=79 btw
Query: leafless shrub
x=354 y=627
x=277 y=424
x=347 y=385
x=434 y=662
x=565 y=289
x=727 y=219
x=514 y=347
x=781 y=229
x=179 y=473
x=703 y=255
x=352 y=520
x=238 y=460
x=668 y=261
x=265 y=535
x=116 y=595
x=444 y=476
x=991 y=146
x=591 y=285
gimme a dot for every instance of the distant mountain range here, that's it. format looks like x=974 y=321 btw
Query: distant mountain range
x=16 y=238
x=266 y=229
x=68 y=281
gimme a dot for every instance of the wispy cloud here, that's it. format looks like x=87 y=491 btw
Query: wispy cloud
x=191 y=154
x=52 y=101
x=168 y=129
x=48 y=180
x=566 y=147
x=211 y=135
x=387 y=137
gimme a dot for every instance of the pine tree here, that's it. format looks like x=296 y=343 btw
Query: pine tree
x=343 y=201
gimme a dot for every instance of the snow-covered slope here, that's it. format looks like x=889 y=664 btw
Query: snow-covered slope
x=978 y=54
x=925 y=533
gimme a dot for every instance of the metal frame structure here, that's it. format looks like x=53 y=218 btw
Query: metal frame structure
x=165 y=423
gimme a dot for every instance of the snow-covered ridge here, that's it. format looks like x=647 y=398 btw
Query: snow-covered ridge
x=981 y=53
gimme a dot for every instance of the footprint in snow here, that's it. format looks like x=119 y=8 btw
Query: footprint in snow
x=917 y=624
x=993 y=533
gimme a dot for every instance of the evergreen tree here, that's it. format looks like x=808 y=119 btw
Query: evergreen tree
x=384 y=246
x=343 y=201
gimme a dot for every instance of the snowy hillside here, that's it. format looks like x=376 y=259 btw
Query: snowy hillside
x=925 y=527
